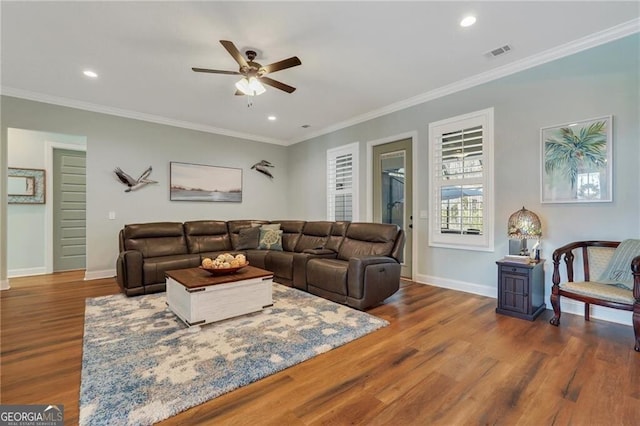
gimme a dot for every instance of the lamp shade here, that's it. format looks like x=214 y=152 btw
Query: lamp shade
x=524 y=224
x=250 y=87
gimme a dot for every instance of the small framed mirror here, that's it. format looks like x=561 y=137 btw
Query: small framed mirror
x=26 y=186
x=21 y=185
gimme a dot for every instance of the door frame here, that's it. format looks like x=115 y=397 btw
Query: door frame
x=414 y=178
x=49 y=146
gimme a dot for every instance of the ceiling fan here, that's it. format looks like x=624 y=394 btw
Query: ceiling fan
x=253 y=74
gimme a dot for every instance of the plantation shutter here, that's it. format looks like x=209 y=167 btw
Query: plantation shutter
x=341 y=185
x=459 y=152
x=461 y=181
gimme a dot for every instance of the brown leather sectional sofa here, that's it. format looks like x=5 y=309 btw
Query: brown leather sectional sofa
x=353 y=263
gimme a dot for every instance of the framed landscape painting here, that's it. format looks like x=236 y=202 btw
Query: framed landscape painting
x=577 y=162
x=199 y=182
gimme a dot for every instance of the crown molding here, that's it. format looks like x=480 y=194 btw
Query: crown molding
x=584 y=43
x=73 y=103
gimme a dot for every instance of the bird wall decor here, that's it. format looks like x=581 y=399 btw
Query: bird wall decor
x=262 y=168
x=132 y=183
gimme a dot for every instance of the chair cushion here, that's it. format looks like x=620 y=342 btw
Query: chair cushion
x=599 y=258
x=598 y=290
x=618 y=271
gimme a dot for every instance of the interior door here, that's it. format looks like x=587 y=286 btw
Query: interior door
x=392 y=191
x=69 y=210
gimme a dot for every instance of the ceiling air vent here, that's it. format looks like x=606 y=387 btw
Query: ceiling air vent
x=498 y=51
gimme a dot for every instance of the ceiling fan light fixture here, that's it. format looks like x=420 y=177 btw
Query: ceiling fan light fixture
x=250 y=87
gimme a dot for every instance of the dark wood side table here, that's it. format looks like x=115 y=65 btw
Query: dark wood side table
x=521 y=289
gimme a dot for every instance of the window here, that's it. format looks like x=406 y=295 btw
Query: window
x=461 y=181
x=342 y=183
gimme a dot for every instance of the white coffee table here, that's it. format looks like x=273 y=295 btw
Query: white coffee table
x=198 y=297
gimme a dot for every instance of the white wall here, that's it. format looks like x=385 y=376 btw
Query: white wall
x=26 y=222
x=134 y=145
x=601 y=81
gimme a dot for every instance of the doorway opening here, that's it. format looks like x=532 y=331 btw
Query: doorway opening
x=30 y=227
x=390 y=195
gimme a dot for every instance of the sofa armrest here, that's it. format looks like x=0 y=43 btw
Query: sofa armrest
x=357 y=272
x=129 y=269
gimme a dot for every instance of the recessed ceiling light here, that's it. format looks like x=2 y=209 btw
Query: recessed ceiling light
x=271 y=118
x=90 y=73
x=468 y=21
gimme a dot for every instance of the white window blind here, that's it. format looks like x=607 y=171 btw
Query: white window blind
x=461 y=181
x=342 y=183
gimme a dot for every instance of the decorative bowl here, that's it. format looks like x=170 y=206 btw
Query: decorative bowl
x=224 y=271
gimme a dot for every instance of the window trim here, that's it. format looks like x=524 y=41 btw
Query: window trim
x=332 y=154
x=485 y=118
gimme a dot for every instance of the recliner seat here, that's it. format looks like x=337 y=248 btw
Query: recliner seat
x=366 y=269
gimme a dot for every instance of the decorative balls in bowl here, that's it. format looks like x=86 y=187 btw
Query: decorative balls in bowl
x=224 y=264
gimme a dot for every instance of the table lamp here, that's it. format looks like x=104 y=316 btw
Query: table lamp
x=523 y=225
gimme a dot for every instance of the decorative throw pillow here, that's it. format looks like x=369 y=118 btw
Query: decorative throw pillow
x=270 y=240
x=248 y=238
x=272 y=226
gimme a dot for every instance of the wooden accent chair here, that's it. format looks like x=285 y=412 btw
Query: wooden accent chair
x=596 y=256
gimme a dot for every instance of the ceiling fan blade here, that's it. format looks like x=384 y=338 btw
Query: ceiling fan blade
x=215 y=71
x=284 y=64
x=273 y=83
x=239 y=93
x=233 y=51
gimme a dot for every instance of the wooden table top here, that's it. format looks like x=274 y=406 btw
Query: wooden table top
x=198 y=277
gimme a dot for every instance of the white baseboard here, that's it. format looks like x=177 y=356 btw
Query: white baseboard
x=25 y=272
x=567 y=306
x=88 y=275
x=96 y=275
x=479 y=289
x=4 y=285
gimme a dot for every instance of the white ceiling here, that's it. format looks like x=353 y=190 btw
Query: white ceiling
x=359 y=59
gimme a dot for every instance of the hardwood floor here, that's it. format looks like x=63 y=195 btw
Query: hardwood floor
x=447 y=358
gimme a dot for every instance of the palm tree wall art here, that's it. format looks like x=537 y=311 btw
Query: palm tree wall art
x=576 y=162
